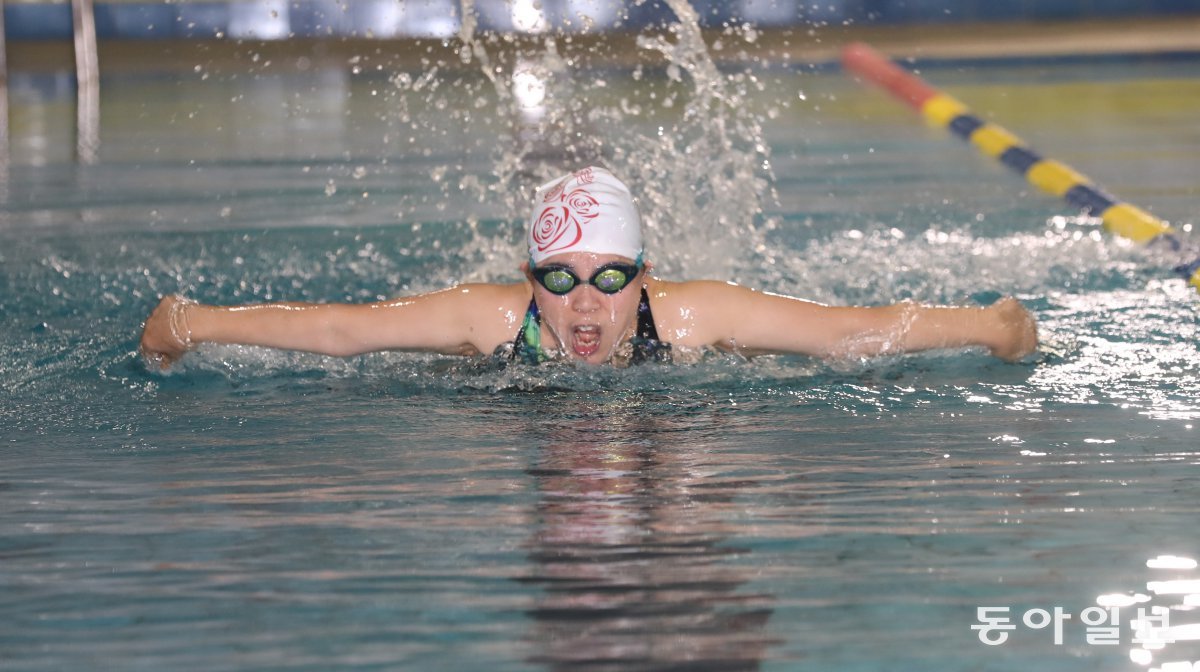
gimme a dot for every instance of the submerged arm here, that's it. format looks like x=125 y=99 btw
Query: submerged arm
x=754 y=322
x=460 y=320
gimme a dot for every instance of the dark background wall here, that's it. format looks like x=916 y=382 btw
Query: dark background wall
x=277 y=19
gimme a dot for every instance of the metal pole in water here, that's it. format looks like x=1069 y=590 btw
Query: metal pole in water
x=87 y=80
x=3 y=98
x=1120 y=218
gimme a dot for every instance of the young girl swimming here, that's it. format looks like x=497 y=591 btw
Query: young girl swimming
x=588 y=295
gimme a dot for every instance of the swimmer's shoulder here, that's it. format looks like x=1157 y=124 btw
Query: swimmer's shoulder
x=483 y=315
x=690 y=294
x=691 y=314
x=508 y=294
x=497 y=310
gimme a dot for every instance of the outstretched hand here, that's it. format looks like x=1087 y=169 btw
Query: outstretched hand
x=1017 y=335
x=162 y=341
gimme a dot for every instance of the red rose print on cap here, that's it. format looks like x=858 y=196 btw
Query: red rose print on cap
x=560 y=223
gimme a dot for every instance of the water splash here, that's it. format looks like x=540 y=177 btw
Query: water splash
x=712 y=165
x=679 y=132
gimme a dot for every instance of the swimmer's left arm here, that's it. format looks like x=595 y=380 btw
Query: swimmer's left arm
x=752 y=322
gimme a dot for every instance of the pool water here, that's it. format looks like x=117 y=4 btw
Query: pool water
x=264 y=510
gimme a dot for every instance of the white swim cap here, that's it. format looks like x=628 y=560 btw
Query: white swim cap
x=589 y=210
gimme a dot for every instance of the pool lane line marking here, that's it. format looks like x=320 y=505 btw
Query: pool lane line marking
x=1120 y=218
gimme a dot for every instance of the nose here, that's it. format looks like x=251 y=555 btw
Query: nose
x=585 y=299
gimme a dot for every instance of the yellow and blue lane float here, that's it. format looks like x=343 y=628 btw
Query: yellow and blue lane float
x=1120 y=218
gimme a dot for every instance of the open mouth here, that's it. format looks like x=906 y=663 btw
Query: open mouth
x=585 y=340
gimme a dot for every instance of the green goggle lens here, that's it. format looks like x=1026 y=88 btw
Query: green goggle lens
x=610 y=278
x=559 y=281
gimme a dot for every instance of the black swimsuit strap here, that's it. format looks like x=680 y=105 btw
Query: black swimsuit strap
x=645 y=325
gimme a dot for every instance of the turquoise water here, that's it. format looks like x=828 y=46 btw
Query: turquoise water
x=264 y=510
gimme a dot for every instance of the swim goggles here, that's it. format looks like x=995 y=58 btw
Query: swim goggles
x=609 y=278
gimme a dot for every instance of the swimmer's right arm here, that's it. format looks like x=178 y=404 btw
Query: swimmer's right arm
x=459 y=320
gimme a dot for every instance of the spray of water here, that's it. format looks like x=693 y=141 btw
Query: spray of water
x=711 y=168
x=678 y=131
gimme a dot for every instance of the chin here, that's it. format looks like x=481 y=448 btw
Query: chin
x=591 y=360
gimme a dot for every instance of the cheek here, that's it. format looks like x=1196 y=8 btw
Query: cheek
x=623 y=308
x=553 y=309
x=546 y=299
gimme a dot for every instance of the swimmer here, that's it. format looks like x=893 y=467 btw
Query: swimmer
x=588 y=295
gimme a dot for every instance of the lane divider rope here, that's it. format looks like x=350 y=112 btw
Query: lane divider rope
x=1119 y=217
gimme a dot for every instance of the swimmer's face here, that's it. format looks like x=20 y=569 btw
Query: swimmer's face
x=586 y=323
